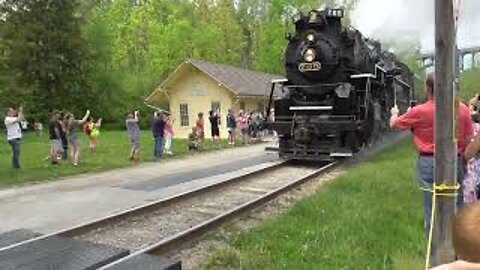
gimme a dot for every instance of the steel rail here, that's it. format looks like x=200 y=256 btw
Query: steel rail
x=194 y=232
x=110 y=219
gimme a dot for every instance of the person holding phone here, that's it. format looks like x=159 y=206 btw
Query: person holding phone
x=14 y=133
x=134 y=133
x=72 y=126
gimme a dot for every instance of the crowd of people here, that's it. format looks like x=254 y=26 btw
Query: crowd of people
x=251 y=127
x=162 y=132
x=63 y=132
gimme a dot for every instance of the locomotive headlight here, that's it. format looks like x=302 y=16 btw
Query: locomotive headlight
x=311 y=37
x=309 y=55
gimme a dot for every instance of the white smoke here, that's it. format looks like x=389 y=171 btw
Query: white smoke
x=393 y=20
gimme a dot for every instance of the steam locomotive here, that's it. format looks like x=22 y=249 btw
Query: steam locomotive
x=338 y=90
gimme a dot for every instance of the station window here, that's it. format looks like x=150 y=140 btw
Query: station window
x=184 y=121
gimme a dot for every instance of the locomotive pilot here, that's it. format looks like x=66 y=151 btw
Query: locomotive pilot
x=420 y=119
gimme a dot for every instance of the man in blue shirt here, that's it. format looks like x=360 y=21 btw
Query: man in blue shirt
x=158 y=125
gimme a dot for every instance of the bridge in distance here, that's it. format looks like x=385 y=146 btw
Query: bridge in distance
x=474 y=53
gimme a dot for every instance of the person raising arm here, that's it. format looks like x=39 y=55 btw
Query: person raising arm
x=133 y=131
x=73 y=140
x=14 y=133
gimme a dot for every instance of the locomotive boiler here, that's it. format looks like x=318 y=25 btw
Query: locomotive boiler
x=338 y=91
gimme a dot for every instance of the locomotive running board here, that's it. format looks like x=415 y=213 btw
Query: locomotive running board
x=340 y=154
x=365 y=75
x=311 y=108
x=279 y=80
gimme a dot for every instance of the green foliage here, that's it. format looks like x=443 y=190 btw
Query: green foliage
x=109 y=55
x=275 y=22
x=46 y=57
x=368 y=218
x=469 y=83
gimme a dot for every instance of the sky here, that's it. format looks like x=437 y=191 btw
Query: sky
x=389 y=20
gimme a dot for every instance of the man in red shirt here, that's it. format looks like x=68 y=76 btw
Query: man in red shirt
x=420 y=119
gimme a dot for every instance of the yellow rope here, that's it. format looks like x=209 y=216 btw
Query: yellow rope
x=438 y=190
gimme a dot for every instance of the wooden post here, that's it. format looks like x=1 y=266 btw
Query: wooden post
x=458 y=67
x=445 y=143
x=473 y=61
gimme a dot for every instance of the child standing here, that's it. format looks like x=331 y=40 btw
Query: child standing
x=200 y=126
x=92 y=130
x=193 y=140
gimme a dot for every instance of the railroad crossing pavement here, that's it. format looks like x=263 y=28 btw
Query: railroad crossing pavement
x=53 y=206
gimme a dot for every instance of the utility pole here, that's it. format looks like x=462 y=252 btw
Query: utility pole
x=445 y=142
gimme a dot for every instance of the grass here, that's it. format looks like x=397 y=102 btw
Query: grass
x=112 y=152
x=369 y=218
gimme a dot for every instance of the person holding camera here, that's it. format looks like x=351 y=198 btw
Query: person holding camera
x=420 y=120
x=134 y=133
x=14 y=133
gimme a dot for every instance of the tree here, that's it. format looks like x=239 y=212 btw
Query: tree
x=47 y=59
x=250 y=15
x=469 y=83
x=64 y=54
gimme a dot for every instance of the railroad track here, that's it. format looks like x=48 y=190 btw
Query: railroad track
x=245 y=195
x=163 y=225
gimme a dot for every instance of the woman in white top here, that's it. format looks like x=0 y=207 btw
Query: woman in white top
x=14 y=133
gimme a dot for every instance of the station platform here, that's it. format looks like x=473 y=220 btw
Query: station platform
x=53 y=206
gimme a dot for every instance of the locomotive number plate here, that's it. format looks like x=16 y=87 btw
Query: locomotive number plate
x=314 y=66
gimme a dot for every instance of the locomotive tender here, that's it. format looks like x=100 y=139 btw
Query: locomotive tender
x=339 y=89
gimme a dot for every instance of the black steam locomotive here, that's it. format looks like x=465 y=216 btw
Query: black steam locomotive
x=339 y=89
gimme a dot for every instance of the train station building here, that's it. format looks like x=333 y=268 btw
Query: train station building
x=198 y=86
